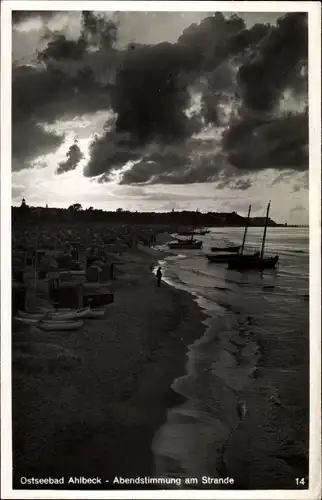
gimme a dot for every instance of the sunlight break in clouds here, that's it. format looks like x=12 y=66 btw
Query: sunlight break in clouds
x=181 y=100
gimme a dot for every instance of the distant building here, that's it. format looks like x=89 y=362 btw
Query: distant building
x=23 y=205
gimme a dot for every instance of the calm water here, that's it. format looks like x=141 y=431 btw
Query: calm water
x=247 y=377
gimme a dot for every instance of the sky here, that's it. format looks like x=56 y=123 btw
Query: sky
x=154 y=111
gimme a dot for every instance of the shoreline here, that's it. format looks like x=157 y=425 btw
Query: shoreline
x=256 y=371
x=110 y=405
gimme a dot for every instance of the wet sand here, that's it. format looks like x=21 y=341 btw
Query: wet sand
x=96 y=414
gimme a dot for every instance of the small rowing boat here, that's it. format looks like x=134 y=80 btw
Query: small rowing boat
x=59 y=325
x=49 y=325
x=185 y=245
x=63 y=314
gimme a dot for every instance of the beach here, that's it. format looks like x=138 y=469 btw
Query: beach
x=97 y=413
x=206 y=375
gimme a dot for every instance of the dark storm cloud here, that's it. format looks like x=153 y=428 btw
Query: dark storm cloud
x=64 y=85
x=43 y=95
x=277 y=63
x=112 y=149
x=280 y=143
x=48 y=93
x=177 y=165
x=97 y=33
x=73 y=157
x=30 y=140
x=151 y=94
x=62 y=48
x=149 y=89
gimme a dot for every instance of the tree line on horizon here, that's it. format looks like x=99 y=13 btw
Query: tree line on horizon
x=75 y=213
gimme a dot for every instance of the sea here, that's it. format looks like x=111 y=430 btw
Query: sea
x=246 y=386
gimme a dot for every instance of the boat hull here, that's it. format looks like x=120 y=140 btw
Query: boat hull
x=234 y=249
x=27 y=320
x=221 y=258
x=61 y=315
x=254 y=263
x=194 y=233
x=227 y=258
x=69 y=315
x=56 y=315
x=95 y=313
x=59 y=325
x=185 y=246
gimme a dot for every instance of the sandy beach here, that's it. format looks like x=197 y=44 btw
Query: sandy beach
x=97 y=413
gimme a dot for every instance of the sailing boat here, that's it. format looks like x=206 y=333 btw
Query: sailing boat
x=257 y=261
x=231 y=251
x=187 y=244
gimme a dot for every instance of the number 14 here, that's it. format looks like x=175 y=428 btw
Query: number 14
x=300 y=481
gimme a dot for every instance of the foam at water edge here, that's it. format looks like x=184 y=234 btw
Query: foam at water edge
x=178 y=441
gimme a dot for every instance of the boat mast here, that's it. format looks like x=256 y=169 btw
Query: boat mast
x=265 y=229
x=245 y=232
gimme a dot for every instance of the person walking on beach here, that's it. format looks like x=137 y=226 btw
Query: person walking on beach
x=159 y=276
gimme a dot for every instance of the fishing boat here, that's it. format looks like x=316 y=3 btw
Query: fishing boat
x=28 y=320
x=258 y=261
x=233 y=249
x=254 y=263
x=95 y=313
x=27 y=315
x=63 y=314
x=220 y=257
x=185 y=245
x=47 y=324
x=73 y=314
x=230 y=255
x=56 y=314
x=60 y=325
x=179 y=240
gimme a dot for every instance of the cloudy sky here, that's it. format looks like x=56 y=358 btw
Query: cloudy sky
x=154 y=111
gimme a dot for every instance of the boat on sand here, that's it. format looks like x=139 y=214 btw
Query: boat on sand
x=185 y=245
x=254 y=263
x=258 y=261
x=233 y=249
x=60 y=325
x=64 y=314
x=225 y=258
x=51 y=325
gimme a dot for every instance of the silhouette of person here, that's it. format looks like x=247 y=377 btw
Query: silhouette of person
x=159 y=276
